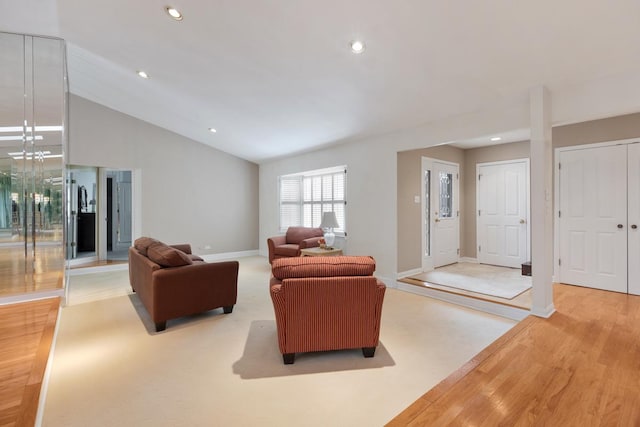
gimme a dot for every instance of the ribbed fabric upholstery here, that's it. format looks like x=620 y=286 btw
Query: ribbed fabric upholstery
x=331 y=266
x=327 y=313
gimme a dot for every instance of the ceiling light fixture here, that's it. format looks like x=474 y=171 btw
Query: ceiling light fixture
x=143 y=74
x=174 y=13
x=357 y=46
x=496 y=138
x=212 y=130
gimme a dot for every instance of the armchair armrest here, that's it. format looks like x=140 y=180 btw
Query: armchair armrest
x=311 y=242
x=277 y=240
x=272 y=242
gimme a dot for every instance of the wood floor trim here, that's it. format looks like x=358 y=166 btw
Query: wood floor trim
x=468 y=294
x=26 y=337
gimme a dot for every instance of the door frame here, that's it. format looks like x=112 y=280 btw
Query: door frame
x=527 y=218
x=136 y=204
x=556 y=193
x=427 y=263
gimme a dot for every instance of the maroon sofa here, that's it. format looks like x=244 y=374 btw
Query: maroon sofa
x=171 y=282
x=295 y=239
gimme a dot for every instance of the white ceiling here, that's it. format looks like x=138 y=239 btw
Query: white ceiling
x=277 y=77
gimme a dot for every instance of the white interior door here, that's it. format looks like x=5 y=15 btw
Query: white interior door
x=122 y=214
x=593 y=217
x=503 y=213
x=633 y=231
x=445 y=217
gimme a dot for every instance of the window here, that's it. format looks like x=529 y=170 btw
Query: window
x=304 y=197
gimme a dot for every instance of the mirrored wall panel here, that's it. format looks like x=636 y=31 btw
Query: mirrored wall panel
x=33 y=93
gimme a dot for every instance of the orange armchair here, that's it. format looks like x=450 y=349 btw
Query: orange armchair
x=295 y=239
x=326 y=303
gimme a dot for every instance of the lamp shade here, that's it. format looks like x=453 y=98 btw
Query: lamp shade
x=329 y=220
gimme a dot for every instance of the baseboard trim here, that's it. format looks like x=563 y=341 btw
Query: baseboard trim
x=47 y=372
x=512 y=313
x=545 y=313
x=229 y=255
x=79 y=271
x=408 y=273
x=469 y=259
x=32 y=296
x=389 y=282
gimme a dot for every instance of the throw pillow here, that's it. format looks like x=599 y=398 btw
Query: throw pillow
x=166 y=256
x=142 y=244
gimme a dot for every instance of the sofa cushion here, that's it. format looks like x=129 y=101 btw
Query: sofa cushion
x=194 y=258
x=166 y=256
x=297 y=234
x=289 y=268
x=143 y=243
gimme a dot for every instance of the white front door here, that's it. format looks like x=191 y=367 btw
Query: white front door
x=633 y=230
x=593 y=217
x=445 y=217
x=503 y=212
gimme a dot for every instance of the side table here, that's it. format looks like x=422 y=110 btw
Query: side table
x=320 y=252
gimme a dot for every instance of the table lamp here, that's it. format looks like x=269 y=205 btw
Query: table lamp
x=329 y=222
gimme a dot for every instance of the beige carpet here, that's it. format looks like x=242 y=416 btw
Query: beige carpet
x=111 y=369
x=484 y=279
x=85 y=288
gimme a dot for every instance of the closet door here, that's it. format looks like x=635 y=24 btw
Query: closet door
x=634 y=218
x=503 y=212
x=593 y=217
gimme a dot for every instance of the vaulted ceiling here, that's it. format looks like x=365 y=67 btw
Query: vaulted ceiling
x=277 y=77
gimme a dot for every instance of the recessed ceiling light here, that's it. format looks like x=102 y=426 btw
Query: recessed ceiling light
x=496 y=138
x=143 y=74
x=212 y=130
x=174 y=13
x=357 y=46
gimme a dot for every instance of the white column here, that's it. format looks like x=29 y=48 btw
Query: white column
x=541 y=202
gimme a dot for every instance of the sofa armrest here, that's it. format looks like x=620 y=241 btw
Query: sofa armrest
x=311 y=242
x=272 y=242
x=184 y=247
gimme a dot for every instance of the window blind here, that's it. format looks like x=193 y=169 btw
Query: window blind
x=306 y=196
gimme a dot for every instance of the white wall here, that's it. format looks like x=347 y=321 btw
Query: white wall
x=368 y=188
x=371 y=162
x=191 y=193
x=371 y=181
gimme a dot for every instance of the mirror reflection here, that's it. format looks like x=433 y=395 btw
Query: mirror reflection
x=32 y=117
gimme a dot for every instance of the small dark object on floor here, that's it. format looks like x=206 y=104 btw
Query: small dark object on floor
x=526 y=268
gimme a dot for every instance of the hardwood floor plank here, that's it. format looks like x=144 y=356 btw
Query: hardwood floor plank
x=579 y=367
x=26 y=335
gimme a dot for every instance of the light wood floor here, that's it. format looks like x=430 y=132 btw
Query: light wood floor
x=579 y=367
x=42 y=273
x=26 y=334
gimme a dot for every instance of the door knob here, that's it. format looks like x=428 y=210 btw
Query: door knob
x=437 y=219
x=522 y=221
x=619 y=225
x=634 y=226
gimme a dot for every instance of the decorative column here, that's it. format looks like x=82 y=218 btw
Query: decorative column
x=541 y=202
